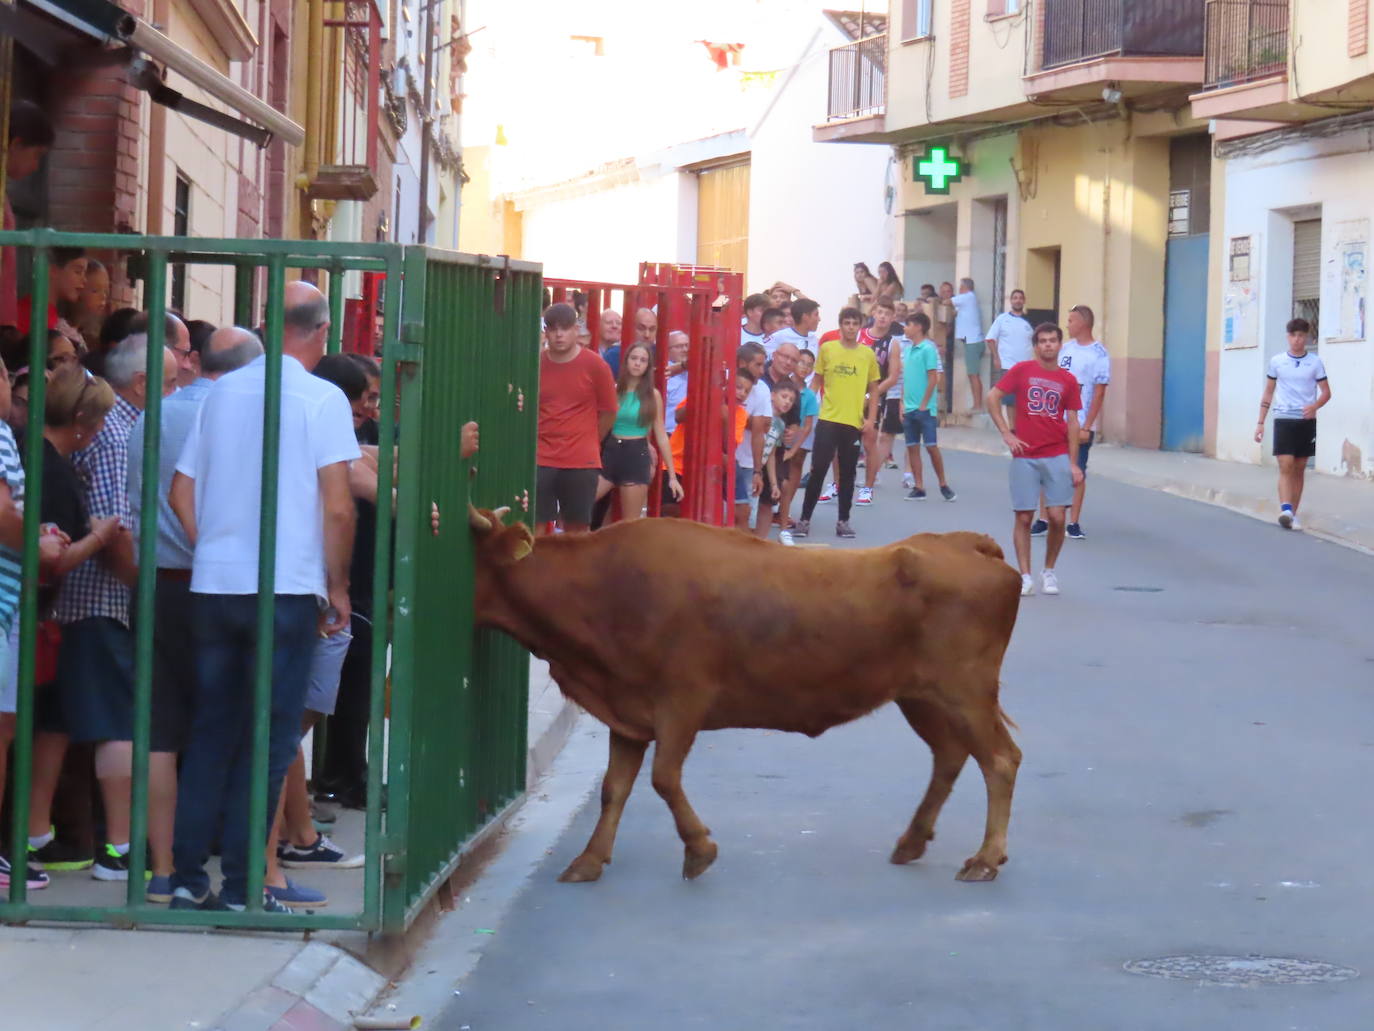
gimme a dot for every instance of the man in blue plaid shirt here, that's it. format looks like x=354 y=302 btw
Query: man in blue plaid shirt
x=95 y=669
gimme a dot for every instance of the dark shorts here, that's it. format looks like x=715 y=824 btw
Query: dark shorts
x=625 y=461
x=95 y=680
x=890 y=416
x=1085 y=445
x=920 y=424
x=569 y=493
x=174 y=662
x=1296 y=437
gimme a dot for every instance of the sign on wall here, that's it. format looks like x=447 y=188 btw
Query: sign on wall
x=937 y=169
x=1240 y=306
x=1345 y=281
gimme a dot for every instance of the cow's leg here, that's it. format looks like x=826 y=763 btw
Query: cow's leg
x=998 y=757
x=621 y=771
x=949 y=754
x=670 y=751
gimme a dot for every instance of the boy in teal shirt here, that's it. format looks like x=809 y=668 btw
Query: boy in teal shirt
x=921 y=371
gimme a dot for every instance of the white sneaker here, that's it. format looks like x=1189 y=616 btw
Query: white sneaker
x=908 y=481
x=829 y=493
x=1295 y=525
x=1027 y=585
x=785 y=537
x=1285 y=519
x=865 y=496
x=1049 y=583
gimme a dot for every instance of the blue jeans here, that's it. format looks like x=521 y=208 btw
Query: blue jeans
x=216 y=769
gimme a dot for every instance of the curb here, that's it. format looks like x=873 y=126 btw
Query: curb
x=320 y=989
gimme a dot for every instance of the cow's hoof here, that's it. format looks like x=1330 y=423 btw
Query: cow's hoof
x=977 y=869
x=696 y=861
x=907 y=852
x=582 y=869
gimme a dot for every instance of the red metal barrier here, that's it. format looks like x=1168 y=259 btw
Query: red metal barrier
x=707 y=304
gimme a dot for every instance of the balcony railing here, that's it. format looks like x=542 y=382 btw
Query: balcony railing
x=1246 y=40
x=1081 y=30
x=858 y=74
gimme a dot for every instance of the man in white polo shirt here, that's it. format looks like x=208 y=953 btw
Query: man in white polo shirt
x=216 y=495
x=1010 y=336
x=1296 y=386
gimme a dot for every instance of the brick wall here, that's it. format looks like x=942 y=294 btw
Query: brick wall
x=1357 y=34
x=959 y=15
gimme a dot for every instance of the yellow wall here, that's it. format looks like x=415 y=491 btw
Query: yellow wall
x=1318 y=39
x=481 y=228
x=996 y=55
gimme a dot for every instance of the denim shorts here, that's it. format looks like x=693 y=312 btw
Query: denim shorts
x=1032 y=476
x=744 y=485
x=919 y=423
x=9 y=669
x=325 y=666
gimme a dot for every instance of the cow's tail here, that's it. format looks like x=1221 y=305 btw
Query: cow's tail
x=1006 y=720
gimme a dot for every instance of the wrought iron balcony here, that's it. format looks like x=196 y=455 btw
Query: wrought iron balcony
x=1082 y=30
x=858 y=79
x=1246 y=40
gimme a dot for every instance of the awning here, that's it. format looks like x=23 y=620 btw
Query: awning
x=109 y=23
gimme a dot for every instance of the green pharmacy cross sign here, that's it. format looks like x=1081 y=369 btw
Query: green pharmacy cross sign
x=938 y=170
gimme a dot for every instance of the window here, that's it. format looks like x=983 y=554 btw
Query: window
x=1307 y=268
x=998 y=8
x=916 y=18
x=181 y=226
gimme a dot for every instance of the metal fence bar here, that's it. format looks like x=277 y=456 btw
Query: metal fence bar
x=155 y=295
x=21 y=777
x=260 y=807
x=336 y=309
x=858 y=79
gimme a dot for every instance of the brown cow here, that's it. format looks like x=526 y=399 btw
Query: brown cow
x=694 y=628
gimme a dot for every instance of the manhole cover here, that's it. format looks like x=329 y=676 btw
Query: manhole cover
x=1240 y=971
x=1138 y=590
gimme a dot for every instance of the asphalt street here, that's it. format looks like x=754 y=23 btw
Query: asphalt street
x=1198 y=729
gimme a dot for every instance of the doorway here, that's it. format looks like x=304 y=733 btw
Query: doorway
x=1185 y=294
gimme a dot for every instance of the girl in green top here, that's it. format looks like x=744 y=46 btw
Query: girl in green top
x=627 y=464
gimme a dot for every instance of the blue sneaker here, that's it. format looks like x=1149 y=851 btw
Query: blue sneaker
x=1039 y=528
x=159 y=889
x=183 y=899
x=296 y=896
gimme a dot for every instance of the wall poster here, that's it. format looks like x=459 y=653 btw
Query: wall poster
x=1240 y=305
x=1345 y=281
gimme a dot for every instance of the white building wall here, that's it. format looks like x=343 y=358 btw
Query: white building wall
x=603 y=234
x=1264 y=193
x=815 y=208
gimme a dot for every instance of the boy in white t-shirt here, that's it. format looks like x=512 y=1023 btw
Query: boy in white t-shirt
x=1296 y=388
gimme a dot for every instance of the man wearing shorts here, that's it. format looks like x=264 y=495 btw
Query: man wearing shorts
x=968 y=331
x=1087 y=360
x=884 y=337
x=1296 y=388
x=846 y=372
x=1043 y=448
x=919 y=371
x=577 y=405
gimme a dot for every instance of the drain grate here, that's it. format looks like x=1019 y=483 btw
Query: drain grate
x=1241 y=971
x=1138 y=590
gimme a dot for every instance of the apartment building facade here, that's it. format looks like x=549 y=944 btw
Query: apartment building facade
x=1066 y=128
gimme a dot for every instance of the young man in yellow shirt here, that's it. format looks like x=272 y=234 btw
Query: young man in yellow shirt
x=847 y=371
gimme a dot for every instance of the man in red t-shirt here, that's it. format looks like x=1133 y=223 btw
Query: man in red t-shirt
x=1044 y=448
x=577 y=405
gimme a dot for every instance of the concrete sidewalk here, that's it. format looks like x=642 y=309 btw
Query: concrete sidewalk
x=89 y=978
x=1336 y=508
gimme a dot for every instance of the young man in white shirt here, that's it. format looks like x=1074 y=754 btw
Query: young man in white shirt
x=1297 y=386
x=884 y=337
x=751 y=329
x=758 y=407
x=1010 y=335
x=1088 y=362
x=968 y=331
x=806 y=317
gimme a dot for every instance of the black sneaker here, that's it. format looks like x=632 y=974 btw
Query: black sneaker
x=1075 y=532
x=1039 y=528
x=843 y=529
x=58 y=855
x=110 y=865
x=915 y=494
x=35 y=878
x=947 y=493
x=183 y=899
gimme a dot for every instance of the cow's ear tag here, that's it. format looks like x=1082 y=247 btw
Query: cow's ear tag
x=522 y=549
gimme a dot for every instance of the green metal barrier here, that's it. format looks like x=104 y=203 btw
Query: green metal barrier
x=457 y=747
x=455 y=739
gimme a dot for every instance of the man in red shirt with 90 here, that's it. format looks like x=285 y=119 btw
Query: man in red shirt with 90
x=577 y=404
x=1044 y=448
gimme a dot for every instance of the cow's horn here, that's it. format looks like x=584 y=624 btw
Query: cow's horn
x=477 y=520
x=500 y=514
